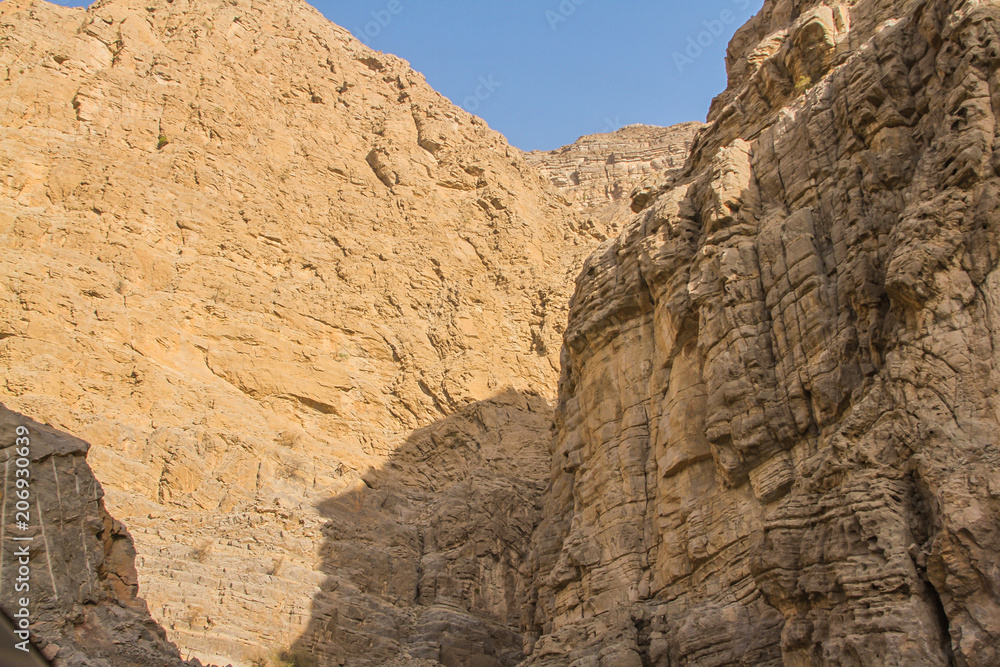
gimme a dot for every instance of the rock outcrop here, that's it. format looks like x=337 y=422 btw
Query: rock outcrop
x=598 y=172
x=249 y=260
x=778 y=413
x=79 y=576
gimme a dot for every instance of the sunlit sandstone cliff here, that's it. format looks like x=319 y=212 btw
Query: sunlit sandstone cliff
x=251 y=261
x=778 y=414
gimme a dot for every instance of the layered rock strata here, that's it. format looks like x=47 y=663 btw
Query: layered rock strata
x=778 y=412
x=429 y=551
x=598 y=172
x=309 y=313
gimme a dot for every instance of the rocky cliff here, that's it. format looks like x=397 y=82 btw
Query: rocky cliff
x=254 y=263
x=598 y=172
x=778 y=416
x=71 y=561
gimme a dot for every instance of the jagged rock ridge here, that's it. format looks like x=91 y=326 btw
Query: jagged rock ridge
x=778 y=409
x=777 y=414
x=598 y=172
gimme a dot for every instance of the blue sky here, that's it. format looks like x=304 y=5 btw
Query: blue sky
x=545 y=72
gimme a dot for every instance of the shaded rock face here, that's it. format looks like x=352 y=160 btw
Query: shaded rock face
x=424 y=560
x=81 y=579
x=777 y=423
x=598 y=172
x=248 y=259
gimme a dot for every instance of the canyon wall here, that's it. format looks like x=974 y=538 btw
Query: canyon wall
x=79 y=574
x=254 y=263
x=309 y=316
x=778 y=413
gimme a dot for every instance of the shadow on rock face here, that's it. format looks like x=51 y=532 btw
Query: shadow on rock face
x=422 y=558
x=14 y=651
x=78 y=576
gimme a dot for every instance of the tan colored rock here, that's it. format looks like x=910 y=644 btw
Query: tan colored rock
x=445 y=528
x=777 y=417
x=248 y=259
x=598 y=172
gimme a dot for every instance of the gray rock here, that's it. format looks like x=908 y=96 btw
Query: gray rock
x=83 y=601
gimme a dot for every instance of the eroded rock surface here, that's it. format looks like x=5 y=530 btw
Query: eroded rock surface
x=429 y=552
x=598 y=172
x=81 y=582
x=247 y=258
x=778 y=414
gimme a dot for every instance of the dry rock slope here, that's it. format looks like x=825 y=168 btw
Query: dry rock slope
x=253 y=262
x=778 y=416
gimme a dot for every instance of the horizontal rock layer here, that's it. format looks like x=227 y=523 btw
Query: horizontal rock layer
x=598 y=172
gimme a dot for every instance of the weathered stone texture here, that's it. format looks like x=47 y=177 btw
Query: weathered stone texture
x=778 y=414
x=83 y=603
x=425 y=558
x=599 y=172
x=309 y=315
x=246 y=258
